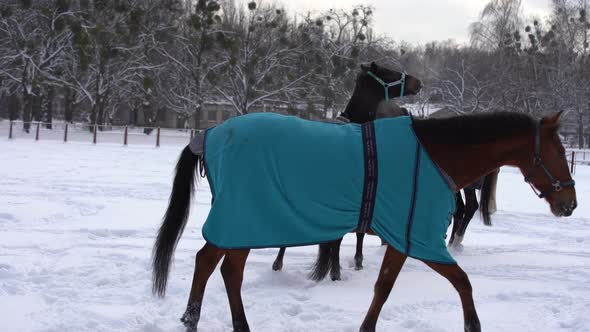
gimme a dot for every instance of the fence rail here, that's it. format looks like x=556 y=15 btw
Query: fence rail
x=578 y=157
x=77 y=132
x=157 y=136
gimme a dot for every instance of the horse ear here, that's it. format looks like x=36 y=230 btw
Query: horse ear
x=374 y=66
x=553 y=121
x=364 y=68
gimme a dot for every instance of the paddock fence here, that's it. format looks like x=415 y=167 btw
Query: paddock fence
x=96 y=134
x=156 y=136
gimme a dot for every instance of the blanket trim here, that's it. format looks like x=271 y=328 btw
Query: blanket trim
x=413 y=202
x=370 y=177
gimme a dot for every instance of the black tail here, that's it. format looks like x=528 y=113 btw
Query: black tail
x=174 y=220
x=488 y=189
x=323 y=262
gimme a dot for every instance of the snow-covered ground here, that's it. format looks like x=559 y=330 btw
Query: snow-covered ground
x=77 y=225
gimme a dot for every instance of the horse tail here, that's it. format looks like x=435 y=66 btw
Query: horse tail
x=174 y=220
x=488 y=197
x=323 y=262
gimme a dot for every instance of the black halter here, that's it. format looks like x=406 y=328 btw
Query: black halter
x=556 y=185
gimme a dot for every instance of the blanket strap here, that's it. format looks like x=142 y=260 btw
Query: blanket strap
x=370 y=180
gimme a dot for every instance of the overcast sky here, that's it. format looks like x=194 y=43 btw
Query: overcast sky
x=419 y=21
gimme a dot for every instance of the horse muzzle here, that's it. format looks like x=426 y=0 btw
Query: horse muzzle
x=564 y=208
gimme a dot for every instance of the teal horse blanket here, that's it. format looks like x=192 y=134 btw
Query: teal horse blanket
x=283 y=181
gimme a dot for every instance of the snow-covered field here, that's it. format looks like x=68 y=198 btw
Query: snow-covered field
x=77 y=225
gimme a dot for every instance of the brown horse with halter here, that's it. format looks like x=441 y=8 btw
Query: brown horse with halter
x=464 y=148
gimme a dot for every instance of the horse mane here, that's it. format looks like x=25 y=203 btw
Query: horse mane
x=475 y=128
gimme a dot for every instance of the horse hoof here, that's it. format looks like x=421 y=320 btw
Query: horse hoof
x=335 y=276
x=189 y=325
x=277 y=266
x=190 y=318
x=241 y=327
x=365 y=329
x=456 y=247
x=358 y=263
x=473 y=327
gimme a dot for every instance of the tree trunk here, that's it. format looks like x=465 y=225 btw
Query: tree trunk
x=197 y=115
x=92 y=119
x=149 y=115
x=27 y=107
x=48 y=107
x=132 y=121
x=581 y=130
x=13 y=106
x=68 y=100
x=197 y=118
x=37 y=103
x=3 y=102
x=100 y=115
x=153 y=120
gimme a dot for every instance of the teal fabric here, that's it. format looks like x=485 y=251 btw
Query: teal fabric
x=282 y=181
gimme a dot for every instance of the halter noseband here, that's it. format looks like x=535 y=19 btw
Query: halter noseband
x=386 y=86
x=556 y=185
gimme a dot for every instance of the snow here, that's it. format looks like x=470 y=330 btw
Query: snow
x=77 y=225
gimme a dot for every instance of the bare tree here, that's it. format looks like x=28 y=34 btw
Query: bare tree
x=186 y=88
x=258 y=61
x=35 y=38
x=338 y=39
x=498 y=21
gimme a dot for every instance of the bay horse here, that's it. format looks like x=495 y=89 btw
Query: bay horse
x=462 y=149
x=370 y=100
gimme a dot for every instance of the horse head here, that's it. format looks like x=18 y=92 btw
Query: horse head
x=545 y=168
x=375 y=86
x=387 y=82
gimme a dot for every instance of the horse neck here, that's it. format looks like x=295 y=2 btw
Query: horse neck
x=363 y=104
x=465 y=162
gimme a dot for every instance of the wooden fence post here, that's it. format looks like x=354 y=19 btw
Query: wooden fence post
x=37 y=131
x=158 y=138
x=10 y=131
x=66 y=133
x=125 y=136
x=573 y=161
x=192 y=134
x=94 y=134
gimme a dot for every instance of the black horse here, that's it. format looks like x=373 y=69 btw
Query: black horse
x=465 y=211
x=370 y=100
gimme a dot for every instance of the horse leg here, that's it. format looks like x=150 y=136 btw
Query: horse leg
x=205 y=263
x=460 y=281
x=232 y=270
x=335 y=260
x=390 y=268
x=457 y=218
x=278 y=263
x=471 y=207
x=321 y=267
x=358 y=256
